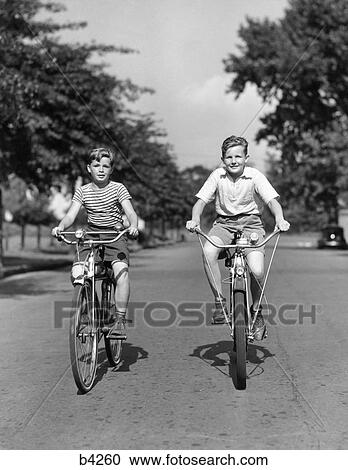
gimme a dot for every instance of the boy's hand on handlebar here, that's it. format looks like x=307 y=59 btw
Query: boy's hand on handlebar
x=191 y=225
x=55 y=232
x=283 y=225
x=133 y=231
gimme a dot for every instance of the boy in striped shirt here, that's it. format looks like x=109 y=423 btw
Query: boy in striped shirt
x=105 y=202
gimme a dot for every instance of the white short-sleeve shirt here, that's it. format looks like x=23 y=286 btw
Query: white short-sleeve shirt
x=247 y=195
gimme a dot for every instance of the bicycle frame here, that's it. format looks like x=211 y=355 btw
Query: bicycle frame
x=238 y=281
x=87 y=324
x=240 y=322
x=89 y=262
x=238 y=270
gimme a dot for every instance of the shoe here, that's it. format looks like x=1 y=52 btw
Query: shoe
x=218 y=313
x=259 y=328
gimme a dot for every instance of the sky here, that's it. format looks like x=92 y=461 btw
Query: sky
x=181 y=45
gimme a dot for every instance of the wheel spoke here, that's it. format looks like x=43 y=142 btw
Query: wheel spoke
x=113 y=347
x=83 y=339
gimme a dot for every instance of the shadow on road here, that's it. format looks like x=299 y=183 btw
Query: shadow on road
x=130 y=355
x=210 y=353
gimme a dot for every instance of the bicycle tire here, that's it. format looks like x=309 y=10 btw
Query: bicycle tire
x=240 y=337
x=83 y=338
x=113 y=347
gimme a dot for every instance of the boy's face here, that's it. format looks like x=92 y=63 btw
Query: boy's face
x=100 y=171
x=235 y=160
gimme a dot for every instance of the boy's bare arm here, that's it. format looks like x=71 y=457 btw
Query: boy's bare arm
x=197 y=211
x=277 y=212
x=68 y=219
x=131 y=216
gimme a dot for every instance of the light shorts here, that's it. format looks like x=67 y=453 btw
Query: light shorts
x=113 y=252
x=247 y=222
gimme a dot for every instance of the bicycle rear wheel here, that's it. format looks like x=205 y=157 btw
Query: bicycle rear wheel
x=113 y=344
x=83 y=338
x=240 y=336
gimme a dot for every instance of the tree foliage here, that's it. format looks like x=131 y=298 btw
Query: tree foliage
x=56 y=103
x=299 y=66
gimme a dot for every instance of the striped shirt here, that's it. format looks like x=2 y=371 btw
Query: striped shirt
x=103 y=205
x=247 y=195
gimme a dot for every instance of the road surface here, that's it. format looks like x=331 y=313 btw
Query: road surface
x=175 y=388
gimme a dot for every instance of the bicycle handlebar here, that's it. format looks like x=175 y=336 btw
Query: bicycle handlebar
x=90 y=241
x=257 y=245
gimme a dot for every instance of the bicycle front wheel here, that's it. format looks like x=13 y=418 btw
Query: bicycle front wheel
x=113 y=344
x=240 y=337
x=83 y=338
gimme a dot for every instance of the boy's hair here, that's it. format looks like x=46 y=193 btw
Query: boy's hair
x=99 y=153
x=233 y=141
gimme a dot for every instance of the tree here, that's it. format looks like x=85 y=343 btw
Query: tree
x=54 y=102
x=194 y=178
x=27 y=206
x=299 y=67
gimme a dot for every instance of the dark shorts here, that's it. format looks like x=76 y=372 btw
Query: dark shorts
x=222 y=228
x=113 y=253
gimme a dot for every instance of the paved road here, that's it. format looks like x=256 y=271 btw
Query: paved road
x=175 y=388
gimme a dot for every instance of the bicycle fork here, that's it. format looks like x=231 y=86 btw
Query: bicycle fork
x=239 y=283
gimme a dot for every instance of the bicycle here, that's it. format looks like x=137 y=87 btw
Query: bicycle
x=92 y=319
x=238 y=317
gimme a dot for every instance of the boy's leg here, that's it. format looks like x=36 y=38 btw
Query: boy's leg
x=212 y=271
x=211 y=266
x=256 y=262
x=122 y=291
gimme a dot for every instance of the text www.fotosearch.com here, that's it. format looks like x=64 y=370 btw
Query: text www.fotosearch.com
x=173 y=460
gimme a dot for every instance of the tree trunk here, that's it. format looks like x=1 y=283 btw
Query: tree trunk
x=163 y=228
x=7 y=239
x=1 y=235
x=22 y=237
x=38 y=236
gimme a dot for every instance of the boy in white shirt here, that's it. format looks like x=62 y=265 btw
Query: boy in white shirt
x=240 y=193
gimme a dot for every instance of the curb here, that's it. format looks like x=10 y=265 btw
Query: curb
x=47 y=264
x=52 y=264
x=25 y=268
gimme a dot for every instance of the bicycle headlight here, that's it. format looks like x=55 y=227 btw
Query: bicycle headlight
x=239 y=270
x=254 y=238
x=79 y=233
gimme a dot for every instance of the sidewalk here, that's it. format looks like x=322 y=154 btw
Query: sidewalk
x=17 y=262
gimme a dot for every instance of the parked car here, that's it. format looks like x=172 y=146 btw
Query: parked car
x=332 y=236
